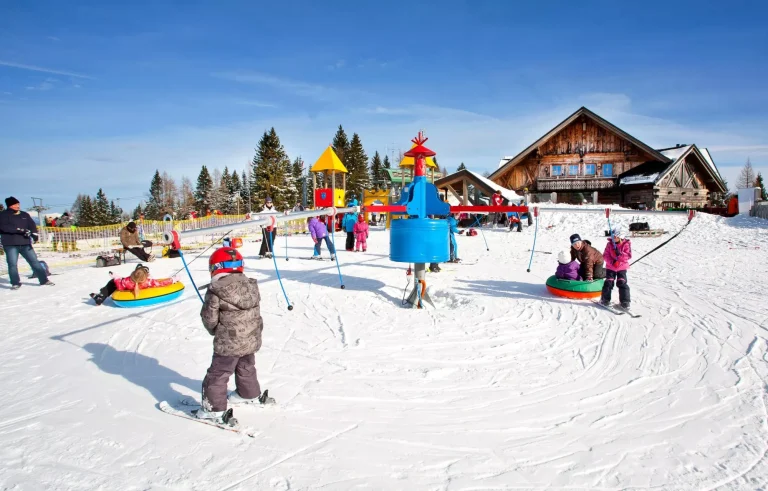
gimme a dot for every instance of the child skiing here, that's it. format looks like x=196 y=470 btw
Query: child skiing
x=361 y=233
x=348 y=224
x=138 y=280
x=319 y=232
x=231 y=314
x=454 y=229
x=618 y=252
x=567 y=269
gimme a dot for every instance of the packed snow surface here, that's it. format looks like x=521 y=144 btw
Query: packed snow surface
x=502 y=386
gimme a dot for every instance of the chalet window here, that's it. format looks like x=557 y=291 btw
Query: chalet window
x=573 y=170
x=557 y=170
x=607 y=170
x=589 y=169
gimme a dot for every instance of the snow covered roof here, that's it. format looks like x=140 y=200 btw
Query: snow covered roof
x=504 y=160
x=507 y=193
x=675 y=152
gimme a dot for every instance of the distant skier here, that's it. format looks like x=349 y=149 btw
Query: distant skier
x=268 y=233
x=232 y=315
x=348 y=225
x=454 y=229
x=567 y=268
x=137 y=281
x=618 y=252
x=361 y=233
x=319 y=233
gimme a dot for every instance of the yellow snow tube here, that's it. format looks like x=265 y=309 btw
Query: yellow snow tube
x=148 y=296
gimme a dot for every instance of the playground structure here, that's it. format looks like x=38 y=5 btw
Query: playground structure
x=328 y=165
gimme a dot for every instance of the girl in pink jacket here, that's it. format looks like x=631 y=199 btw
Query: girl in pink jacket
x=138 y=280
x=361 y=233
x=618 y=252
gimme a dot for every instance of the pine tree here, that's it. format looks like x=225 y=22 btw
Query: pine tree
x=376 y=172
x=386 y=163
x=297 y=171
x=115 y=213
x=357 y=166
x=444 y=171
x=154 y=208
x=245 y=191
x=268 y=173
x=341 y=146
x=101 y=214
x=137 y=212
x=2 y=207
x=204 y=192
x=85 y=216
x=235 y=189
x=747 y=176
x=759 y=184
x=290 y=184
x=461 y=167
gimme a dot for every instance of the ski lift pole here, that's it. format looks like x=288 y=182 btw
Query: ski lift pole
x=535 y=232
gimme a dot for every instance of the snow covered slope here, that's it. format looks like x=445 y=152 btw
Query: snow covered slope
x=504 y=386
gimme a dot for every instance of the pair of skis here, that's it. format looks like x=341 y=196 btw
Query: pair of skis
x=617 y=309
x=228 y=421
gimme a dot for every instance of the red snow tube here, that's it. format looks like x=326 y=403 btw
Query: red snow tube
x=574 y=289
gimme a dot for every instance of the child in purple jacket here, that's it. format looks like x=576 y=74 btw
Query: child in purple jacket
x=618 y=252
x=319 y=233
x=567 y=269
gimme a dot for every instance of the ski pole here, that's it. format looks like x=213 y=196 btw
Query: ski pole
x=535 y=232
x=279 y=280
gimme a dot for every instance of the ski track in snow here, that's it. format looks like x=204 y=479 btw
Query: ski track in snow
x=503 y=386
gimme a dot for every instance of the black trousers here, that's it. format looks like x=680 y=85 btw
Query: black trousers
x=598 y=271
x=620 y=279
x=350 y=241
x=266 y=237
x=108 y=289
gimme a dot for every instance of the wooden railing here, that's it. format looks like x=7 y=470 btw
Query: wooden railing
x=574 y=183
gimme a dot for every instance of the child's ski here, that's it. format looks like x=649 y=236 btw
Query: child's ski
x=167 y=408
x=609 y=308
x=262 y=400
x=626 y=311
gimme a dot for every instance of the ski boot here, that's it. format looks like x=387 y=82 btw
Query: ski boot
x=221 y=417
x=434 y=268
x=333 y=257
x=98 y=298
x=605 y=303
x=236 y=399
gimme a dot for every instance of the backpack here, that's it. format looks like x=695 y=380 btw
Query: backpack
x=103 y=260
x=638 y=226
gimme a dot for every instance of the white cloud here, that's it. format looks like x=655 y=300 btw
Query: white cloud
x=338 y=65
x=246 y=102
x=299 y=88
x=34 y=68
x=48 y=84
x=53 y=38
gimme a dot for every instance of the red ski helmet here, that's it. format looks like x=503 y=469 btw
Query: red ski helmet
x=225 y=260
x=360 y=217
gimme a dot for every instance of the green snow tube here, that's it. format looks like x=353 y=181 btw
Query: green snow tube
x=575 y=289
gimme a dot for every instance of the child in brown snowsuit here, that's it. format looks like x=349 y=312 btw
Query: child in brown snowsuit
x=231 y=314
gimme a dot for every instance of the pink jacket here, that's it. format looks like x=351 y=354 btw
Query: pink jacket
x=126 y=284
x=361 y=230
x=618 y=262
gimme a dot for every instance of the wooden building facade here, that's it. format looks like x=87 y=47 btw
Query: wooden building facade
x=586 y=154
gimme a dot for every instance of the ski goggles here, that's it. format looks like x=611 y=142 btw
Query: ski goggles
x=225 y=265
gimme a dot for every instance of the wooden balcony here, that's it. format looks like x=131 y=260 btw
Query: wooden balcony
x=576 y=183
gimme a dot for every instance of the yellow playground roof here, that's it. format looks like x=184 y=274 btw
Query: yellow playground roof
x=409 y=162
x=328 y=161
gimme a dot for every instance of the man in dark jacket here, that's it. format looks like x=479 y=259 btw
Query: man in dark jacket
x=592 y=264
x=17 y=231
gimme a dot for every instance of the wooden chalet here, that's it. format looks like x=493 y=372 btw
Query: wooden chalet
x=585 y=154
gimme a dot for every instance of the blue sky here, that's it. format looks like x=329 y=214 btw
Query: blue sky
x=93 y=94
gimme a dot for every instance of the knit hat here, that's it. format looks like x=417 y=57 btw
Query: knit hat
x=10 y=201
x=575 y=238
x=618 y=233
x=564 y=257
x=268 y=200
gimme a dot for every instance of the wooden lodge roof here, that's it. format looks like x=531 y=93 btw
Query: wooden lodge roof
x=582 y=111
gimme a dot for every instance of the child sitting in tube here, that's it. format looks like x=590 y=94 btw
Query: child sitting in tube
x=138 y=280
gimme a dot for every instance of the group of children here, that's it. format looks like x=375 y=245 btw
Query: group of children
x=616 y=256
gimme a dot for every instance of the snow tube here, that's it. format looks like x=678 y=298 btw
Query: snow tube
x=574 y=289
x=148 y=296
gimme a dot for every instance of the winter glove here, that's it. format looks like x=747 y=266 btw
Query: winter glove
x=35 y=238
x=314 y=240
x=25 y=232
x=616 y=264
